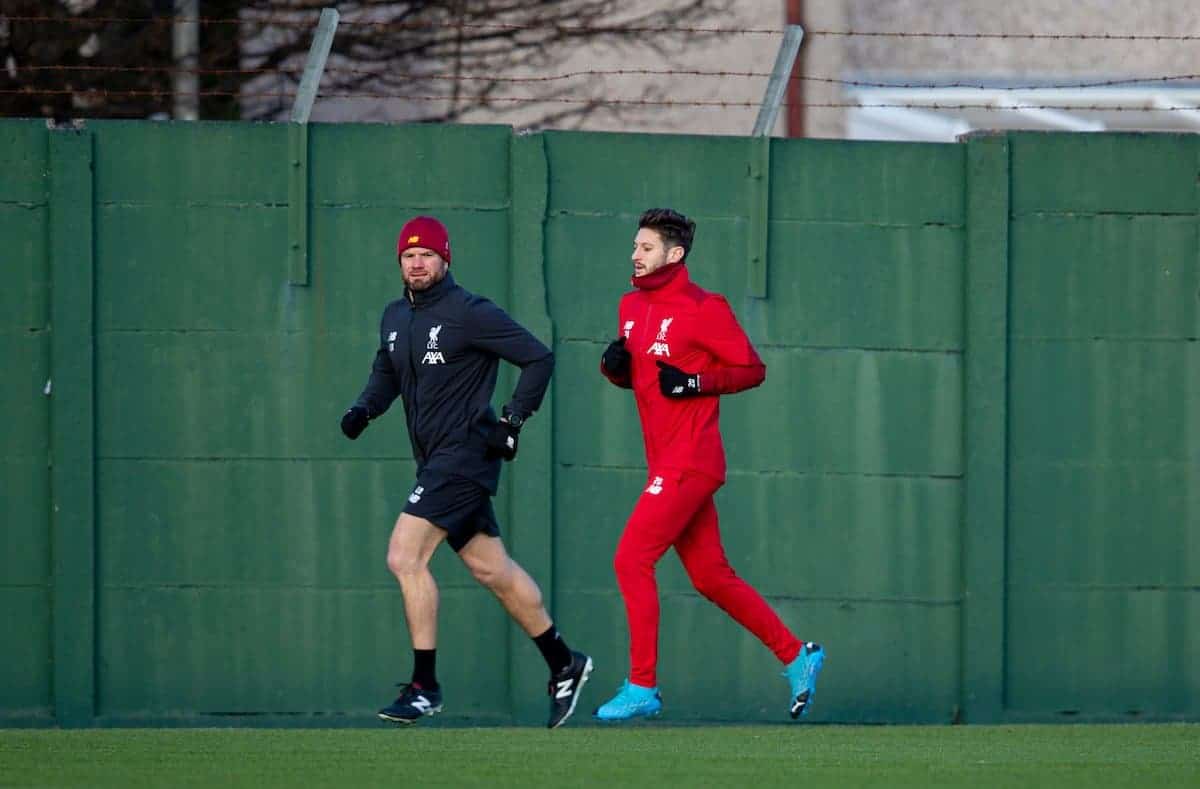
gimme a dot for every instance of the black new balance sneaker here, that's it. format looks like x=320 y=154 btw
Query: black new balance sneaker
x=414 y=702
x=565 y=687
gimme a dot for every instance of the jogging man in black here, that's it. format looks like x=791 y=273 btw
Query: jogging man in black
x=439 y=351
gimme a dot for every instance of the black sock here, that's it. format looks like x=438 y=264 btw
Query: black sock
x=425 y=668
x=554 y=649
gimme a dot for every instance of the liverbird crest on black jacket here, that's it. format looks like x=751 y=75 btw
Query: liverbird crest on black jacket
x=439 y=351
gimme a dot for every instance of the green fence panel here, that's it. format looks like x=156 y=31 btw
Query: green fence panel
x=242 y=539
x=1104 y=443
x=861 y=335
x=26 y=680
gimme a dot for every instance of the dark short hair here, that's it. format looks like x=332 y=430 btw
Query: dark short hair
x=675 y=228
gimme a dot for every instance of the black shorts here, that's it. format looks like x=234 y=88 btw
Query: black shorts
x=457 y=505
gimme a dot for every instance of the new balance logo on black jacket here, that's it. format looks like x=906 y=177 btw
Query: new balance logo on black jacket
x=439 y=350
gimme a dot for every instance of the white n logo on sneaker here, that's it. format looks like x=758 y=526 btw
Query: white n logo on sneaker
x=421 y=704
x=564 y=689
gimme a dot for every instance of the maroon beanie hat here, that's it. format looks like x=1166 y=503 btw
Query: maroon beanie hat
x=424 y=231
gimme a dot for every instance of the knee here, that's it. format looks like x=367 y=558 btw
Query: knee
x=709 y=580
x=627 y=563
x=489 y=574
x=706 y=585
x=404 y=563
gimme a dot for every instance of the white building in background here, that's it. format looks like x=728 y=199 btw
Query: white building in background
x=932 y=87
x=1023 y=82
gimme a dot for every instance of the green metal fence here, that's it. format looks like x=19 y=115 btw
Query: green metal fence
x=972 y=471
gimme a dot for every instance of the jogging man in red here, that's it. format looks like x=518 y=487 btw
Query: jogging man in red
x=679 y=347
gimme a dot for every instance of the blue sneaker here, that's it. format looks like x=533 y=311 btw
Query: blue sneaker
x=802 y=674
x=414 y=703
x=631 y=701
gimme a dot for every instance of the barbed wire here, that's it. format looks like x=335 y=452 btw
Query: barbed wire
x=276 y=21
x=103 y=93
x=592 y=73
x=88 y=94
x=1026 y=36
x=174 y=70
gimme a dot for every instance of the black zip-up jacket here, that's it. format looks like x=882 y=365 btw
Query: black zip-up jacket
x=439 y=350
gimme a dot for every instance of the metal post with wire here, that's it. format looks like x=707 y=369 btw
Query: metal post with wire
x=785 y=61
x=185 y=49
x=759 y=210
x=318 y=53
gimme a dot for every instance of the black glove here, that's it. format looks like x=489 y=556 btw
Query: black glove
x=502 y=441
x=676 y=383
x=354 y=422
x=616 y=358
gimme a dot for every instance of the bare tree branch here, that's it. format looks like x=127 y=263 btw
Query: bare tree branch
x=382 y=47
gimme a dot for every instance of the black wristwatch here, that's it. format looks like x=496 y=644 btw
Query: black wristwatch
x=513 y=419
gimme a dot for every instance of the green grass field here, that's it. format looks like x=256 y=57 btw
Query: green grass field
x=1134 y=755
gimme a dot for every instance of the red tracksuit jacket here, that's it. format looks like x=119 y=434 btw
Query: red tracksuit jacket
x=684 y=325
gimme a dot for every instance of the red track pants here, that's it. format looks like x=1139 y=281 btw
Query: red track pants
x=678 y=510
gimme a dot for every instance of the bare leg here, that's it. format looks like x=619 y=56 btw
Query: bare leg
x=410 y=548
x=491 y=565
